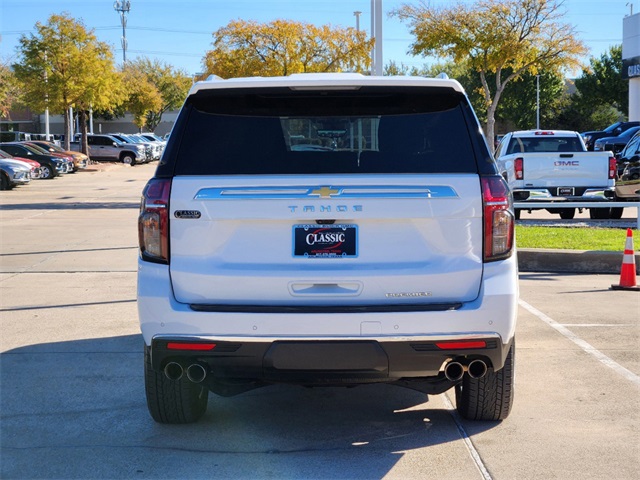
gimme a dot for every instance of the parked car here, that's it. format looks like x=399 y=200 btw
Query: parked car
x=33 y=165
x=611 y=131
x=628 y=183
x=554 y=166
x=149 y=148
x=67 y=159
x=80 y=160
x=157 y=143
x=108 y=148
x=615 y=144
x=13 y=173
x=50 y=165
x=386 y=257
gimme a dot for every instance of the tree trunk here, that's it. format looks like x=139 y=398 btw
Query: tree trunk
x=84 y=148
x=490 y=128
x=67 y=130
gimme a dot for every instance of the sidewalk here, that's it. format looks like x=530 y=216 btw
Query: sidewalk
x=571 y=261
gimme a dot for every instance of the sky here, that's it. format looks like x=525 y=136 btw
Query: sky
x=179 y=32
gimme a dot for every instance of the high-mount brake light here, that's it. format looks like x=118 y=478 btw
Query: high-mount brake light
x=153 y=222
x=544 y=133
x=518 y=166
x=613 y=167
x=498 y=218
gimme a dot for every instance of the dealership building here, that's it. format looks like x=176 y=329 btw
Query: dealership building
x=631 y=61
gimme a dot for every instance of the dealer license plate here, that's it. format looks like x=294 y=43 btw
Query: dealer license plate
x=565 y=191
x=325 y=241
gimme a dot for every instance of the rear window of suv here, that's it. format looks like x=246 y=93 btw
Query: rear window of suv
x=284 y=131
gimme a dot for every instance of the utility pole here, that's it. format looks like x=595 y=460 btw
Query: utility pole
x=537 y=102
x=376 y=33
x=46 y=99
x=123 y=7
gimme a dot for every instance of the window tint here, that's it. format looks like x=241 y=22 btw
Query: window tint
x=307 y=133
x=544 y=144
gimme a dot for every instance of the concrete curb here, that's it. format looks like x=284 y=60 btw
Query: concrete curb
x=571 y=261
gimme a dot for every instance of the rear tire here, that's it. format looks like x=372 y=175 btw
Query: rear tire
x=489 y=397
x=567 y=213
x=599 y=213
x=169 y=401
x=616 y=213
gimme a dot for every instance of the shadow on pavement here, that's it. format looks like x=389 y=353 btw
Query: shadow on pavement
x=77 y=409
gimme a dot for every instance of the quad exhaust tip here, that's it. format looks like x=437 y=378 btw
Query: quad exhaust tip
x=173 y=371
x=196 y=373
x=454 y=371
x=477 y=369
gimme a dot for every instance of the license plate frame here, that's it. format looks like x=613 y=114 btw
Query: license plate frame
x=325 y=241
x=566 y=191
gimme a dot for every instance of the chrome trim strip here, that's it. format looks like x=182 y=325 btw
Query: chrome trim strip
x=326 y=191
x=380 y=338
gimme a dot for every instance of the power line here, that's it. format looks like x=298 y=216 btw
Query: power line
x=181 y=54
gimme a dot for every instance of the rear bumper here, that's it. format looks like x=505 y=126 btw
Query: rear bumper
x=325 y=361
x=329 y=347
x=580 y=194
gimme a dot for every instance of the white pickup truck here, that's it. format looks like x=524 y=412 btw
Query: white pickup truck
x=555 y=166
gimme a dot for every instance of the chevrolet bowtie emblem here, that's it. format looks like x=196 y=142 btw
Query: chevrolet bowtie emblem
x=324 y=192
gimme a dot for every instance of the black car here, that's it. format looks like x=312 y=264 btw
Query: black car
x=630 y=155
x=615 y=144
x=50 y=166
x=612 y=130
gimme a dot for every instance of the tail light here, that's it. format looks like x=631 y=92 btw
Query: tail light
x=518 y=166
x=498 y=218
x=153 y=222
x=613 y=167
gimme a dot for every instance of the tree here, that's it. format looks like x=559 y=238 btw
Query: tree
x=9 y=90
x=602 y=81
x=248 y=48
x=580 y=114
x=172 y=86
x=63 y=65
x=506 y=38
x=142 y=96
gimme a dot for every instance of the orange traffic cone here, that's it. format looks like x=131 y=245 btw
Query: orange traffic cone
x=628 y=270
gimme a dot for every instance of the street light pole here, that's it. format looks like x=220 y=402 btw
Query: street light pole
x=123 y=7
x=376 y=33
x=537 y=102
x=357 y=15
x=47 y=134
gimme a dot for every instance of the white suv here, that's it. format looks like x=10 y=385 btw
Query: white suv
x=327 y=229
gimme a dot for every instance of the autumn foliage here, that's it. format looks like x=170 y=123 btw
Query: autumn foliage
x=282 y=47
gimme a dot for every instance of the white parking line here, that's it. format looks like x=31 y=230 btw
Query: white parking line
x=601 y=357
x=465 y=437
x=597 y=324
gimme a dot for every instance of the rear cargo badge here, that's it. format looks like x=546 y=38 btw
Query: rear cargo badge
x=187 y=214
x=408 y=295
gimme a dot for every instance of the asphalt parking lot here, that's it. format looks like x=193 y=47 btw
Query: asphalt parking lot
x=71 y=384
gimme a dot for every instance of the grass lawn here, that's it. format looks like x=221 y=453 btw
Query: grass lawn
x=577 y=238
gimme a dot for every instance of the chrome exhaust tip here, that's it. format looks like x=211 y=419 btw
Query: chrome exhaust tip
x=173 y=371
x=477 y=369
x=196 y=373
x=454 y=371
